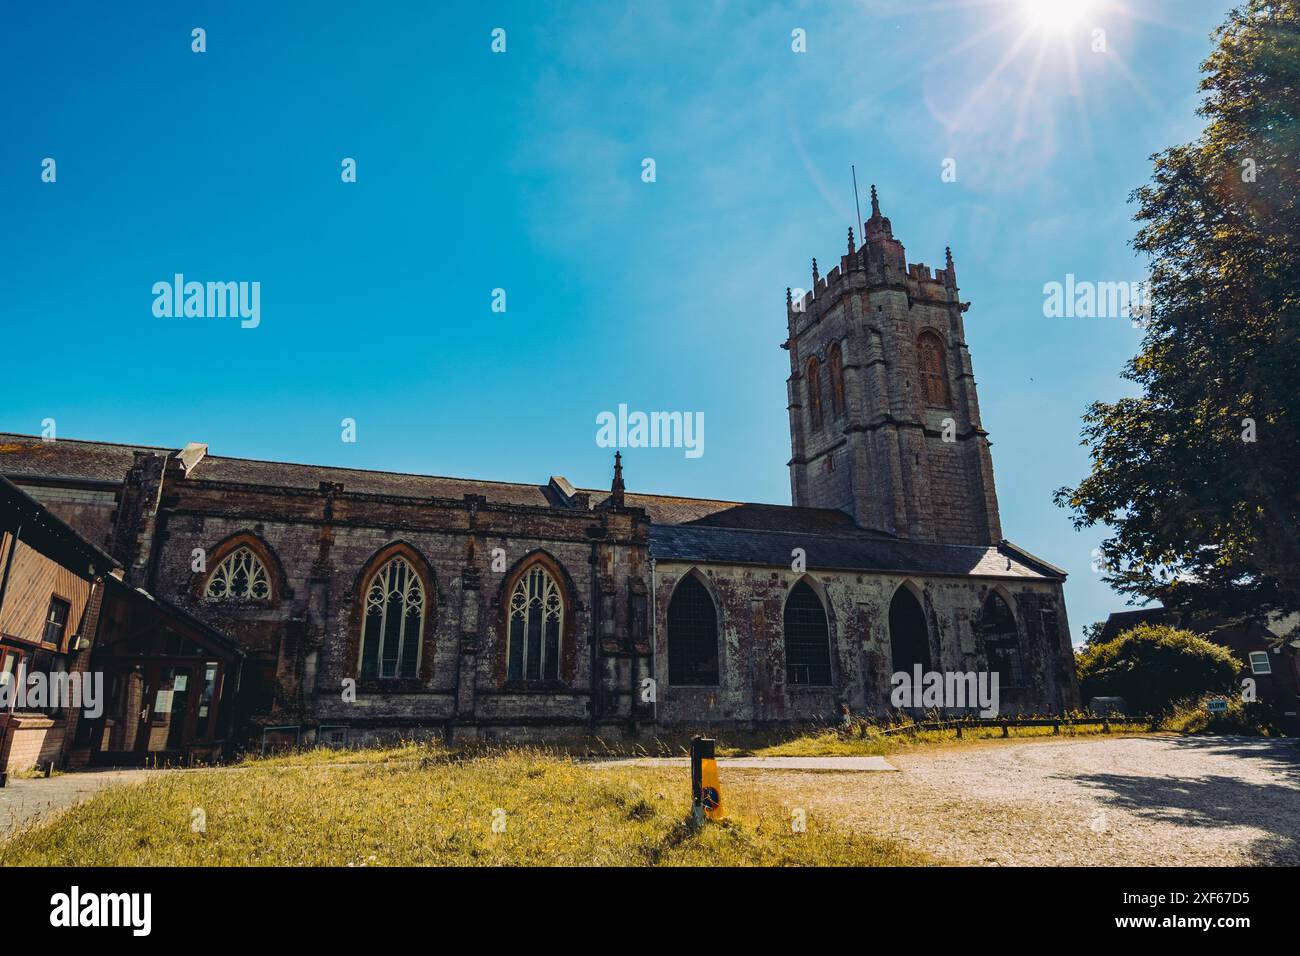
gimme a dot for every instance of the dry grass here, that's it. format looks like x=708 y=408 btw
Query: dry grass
x=862 y=738
x=415 y=805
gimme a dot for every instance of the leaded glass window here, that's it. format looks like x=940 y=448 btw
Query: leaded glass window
x=536 y=627
x=909 y=639
x=692 y=635
x=807 y=638
x=394 y=621
x=1002 y=641
x=241 y=576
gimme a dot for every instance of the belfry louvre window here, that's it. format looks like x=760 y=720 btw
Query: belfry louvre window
x=807 y=639
x=934 y=373
x=393 y=622
x=241 y=576
x=536 y=627
x=836 y=362
x=1002 y=641
x=815 y=393
x=692 y=635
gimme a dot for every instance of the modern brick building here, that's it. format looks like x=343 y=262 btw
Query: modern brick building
x=164 y=682
x=52 y=585
x=377 y=604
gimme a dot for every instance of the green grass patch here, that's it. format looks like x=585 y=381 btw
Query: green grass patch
x=421 y=806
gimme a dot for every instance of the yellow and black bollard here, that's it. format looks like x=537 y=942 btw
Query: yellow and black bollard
x=706 y=788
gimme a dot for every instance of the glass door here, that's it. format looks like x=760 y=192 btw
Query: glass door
x=172 y=687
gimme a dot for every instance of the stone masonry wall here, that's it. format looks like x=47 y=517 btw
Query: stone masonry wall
x=750 y=604
x=885 y=459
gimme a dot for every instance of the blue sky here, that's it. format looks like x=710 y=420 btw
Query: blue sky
x=522 y=171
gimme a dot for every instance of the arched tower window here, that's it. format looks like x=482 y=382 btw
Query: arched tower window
x=807 y=638
x=934 y=370
x=909 y=638
x=239 y=576
x=393 y=621
x=536 y=626
x=836 y=363
x=1002 y=641
x=815 y=393
x=692 y=635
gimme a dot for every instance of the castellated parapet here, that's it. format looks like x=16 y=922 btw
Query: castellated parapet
x=884 y=415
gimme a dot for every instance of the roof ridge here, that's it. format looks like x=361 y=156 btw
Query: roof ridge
x=855 y=531
x=378 y=471
x=724 y=501
x=270 y=461
x=86 y=441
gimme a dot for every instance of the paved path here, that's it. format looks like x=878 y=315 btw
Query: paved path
x=1140 y=801
x=831 y=764
x=25 y=800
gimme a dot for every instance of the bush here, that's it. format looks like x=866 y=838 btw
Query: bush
x=1154 y=667
x=1252 y=719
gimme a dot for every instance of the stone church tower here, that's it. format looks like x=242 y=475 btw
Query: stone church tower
x=884 y=419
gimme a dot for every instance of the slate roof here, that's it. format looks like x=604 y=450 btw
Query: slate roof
x=72 y=459
x=863 y=551
x=687 y=529
x=29 y=456
x=287 y=475
x=181 y=616
x=668 y=510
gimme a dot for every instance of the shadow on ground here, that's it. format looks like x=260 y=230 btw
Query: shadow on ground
x=1222 y=800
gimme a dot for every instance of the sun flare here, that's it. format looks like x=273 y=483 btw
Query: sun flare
x=1054 y=14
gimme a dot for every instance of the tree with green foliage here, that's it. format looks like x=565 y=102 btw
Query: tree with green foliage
x=1154 y=667
x=1092 y=632
x=1199 y=476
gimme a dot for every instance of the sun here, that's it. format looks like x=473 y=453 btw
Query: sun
x=1057 y=15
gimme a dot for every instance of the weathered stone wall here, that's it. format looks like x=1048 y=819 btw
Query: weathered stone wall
x=751 y=602
x=324 y=545
x=885 y=459
x=321 y=545
x=88 y=510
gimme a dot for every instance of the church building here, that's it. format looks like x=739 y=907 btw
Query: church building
x=366 y=605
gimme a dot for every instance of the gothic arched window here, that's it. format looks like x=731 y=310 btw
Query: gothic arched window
x=1002 y=641
x=240 y=576
x=815 y=393
x=393 y=622
x=836 y=362
x=909 y=638
x=692 y=635
x=934 y=370
x=536 y=627
x=807 y=638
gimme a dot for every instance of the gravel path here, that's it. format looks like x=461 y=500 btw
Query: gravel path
x=1141 y=801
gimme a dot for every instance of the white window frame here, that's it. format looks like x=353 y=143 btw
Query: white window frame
x=1256 y=657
